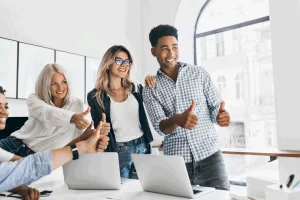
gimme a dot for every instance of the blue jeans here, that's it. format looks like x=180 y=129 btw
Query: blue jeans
x=125 y=149
x=209 y=172
x=15 y=146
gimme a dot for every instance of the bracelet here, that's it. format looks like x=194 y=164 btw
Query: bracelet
x=74 y=151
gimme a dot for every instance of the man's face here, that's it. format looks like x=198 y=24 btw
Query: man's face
x=3 y=111
x=166 y=51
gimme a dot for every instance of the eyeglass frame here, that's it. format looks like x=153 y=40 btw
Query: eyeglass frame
x=123 y=61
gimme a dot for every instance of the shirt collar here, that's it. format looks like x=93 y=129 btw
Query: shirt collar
x=181 y=66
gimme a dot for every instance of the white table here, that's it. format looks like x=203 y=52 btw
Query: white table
x=131 y=189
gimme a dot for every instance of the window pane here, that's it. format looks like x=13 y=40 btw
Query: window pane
x=8 y=67
x=232 y=12
x=74 y=66
x=245 y=80
x=32 y=60
x=92 y=66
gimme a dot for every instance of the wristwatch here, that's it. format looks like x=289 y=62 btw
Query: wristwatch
x=74 y=151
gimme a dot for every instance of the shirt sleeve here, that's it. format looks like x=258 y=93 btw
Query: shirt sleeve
x=49 y=115
x=79 y=109
x=213 y=97
x=24 y=171
x=5 y=156
x=154 y=108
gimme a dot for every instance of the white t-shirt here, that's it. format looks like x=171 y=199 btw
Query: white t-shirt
x=49 y=127
x=5 y=156
x=125 y=119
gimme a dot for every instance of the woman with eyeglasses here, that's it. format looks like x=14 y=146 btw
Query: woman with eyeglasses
x=54 y=117
x=118 y=101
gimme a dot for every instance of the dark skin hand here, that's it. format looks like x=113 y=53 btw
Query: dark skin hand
x=223 y=116
x=27 y=193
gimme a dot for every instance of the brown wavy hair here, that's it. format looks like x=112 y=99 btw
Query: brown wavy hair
x=102 y=83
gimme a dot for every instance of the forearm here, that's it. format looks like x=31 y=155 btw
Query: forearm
x=63 y=155
x=168 y=126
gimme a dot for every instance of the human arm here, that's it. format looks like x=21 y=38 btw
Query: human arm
x=213 y=98
x=53 y=116
x=33 y=167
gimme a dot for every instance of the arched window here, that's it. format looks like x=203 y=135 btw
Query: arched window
x=233 y=40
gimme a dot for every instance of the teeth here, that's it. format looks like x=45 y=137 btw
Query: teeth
x=171 y=60
x=2 y=120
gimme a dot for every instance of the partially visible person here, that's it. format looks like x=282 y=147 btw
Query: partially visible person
x=25 y=191
x=119 y=102
x=183 y=107
x=54 y=117
x=33 y=167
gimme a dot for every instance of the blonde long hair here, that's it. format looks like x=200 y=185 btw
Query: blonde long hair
x=42 y=85
x=102 y=83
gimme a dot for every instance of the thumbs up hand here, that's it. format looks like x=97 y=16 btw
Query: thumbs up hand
x=105 y=126
x=80 y=120
x=188 y=119
x=223 y=116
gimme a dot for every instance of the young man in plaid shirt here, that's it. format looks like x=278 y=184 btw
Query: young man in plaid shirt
x=183 y=107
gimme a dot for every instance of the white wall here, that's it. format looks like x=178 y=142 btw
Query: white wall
x=285 y=31
x=87 y=28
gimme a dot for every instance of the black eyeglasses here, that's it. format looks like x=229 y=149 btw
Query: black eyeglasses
x=120 y=61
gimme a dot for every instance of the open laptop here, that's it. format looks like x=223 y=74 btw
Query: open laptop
x=97 y=171
x=166 y=175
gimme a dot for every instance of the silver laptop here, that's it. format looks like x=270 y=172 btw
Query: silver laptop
x=97 y=171
x=166 y=175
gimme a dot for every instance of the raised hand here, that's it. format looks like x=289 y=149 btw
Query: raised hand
x=80 y=120
x=105 y=126
x=223 y=116
x=188 y=119
x=97 y=142
x=88 y=132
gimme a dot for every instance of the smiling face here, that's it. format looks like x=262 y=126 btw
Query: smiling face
x=166 y=51
x=58 y=87
x=3 y=111
x=120 y=70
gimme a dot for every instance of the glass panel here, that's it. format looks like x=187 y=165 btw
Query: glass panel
x=74 y=66
x=92 y=66
x=32 y=60
x=232 y=12
x=8 y=66
x=244 y=77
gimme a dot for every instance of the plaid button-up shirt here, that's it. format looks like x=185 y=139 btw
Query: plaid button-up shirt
x=169 y=98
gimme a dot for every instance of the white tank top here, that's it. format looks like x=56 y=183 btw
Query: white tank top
x=125 y=119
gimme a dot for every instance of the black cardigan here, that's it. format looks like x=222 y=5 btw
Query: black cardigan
x=97 y=110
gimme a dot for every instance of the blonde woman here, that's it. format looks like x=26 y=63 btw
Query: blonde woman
x=119 y=102
x=54 y=117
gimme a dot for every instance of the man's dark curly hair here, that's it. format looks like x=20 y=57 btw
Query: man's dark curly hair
x=161 y=31
x=2 y=91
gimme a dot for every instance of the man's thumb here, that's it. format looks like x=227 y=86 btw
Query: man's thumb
x=222 y=106
x=103 y=117
x=192 y=107
x=88 y=110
